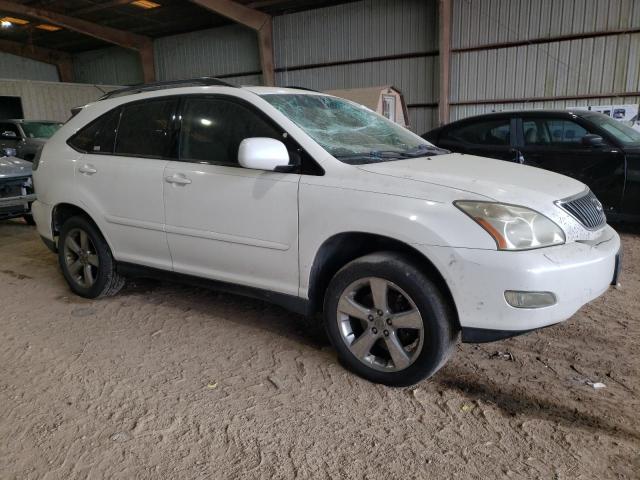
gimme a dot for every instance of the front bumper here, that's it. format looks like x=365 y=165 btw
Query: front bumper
x=576 y=273
x=15 y=206
x=42 y=215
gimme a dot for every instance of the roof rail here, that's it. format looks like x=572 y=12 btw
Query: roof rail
x=150 y=87
x=302 y=88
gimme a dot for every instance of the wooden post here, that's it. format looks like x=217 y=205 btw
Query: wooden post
x=65 y=70
x=265 y=42
x=147 y=61
x=445 y=61
x=254 y=19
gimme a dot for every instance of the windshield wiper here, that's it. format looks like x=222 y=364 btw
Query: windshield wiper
x=424 y=149
x=383 y=155
x=370 y=157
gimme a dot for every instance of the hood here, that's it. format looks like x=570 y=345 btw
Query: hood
x=14 y=167
x=495 y=179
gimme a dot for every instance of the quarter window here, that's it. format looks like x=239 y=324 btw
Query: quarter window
x=99 y=136
x=492 y=132
x=146 y=129
x=212 y=129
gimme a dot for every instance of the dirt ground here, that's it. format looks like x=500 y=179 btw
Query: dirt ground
x=167 y=381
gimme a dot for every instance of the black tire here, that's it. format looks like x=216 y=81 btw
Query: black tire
x=28 y=218
x=439 y=330
x=107 y=281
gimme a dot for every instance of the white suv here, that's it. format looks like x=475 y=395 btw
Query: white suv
x=320 y=205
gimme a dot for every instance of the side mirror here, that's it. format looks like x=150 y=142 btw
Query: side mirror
x=260 y=153
x=592 y=140
x=8 y=152
x=8 y=134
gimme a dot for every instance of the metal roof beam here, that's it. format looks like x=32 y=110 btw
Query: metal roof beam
x=237 y=12
x=254 y=19
x=143 y=45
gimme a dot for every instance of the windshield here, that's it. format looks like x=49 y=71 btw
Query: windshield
x=621 y=132
x=40 y=129
x=350 y=132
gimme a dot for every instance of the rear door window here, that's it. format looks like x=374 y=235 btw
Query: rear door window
x=146 y=129
x=486 y=132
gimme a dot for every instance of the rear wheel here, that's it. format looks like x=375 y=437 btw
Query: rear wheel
x=86 y=260
x=388 y=321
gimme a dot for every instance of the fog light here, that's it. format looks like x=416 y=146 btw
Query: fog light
x=529 y=299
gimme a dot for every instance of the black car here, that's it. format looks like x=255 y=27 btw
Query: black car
x=591 y=147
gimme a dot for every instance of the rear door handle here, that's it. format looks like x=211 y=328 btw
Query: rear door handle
x=178 y=179
x=87 y=169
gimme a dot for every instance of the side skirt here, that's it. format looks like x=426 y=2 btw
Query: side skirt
x=289 y=302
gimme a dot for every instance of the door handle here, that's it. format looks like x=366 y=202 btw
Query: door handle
x=517 y=155
x=178 y=179
x=87 y=169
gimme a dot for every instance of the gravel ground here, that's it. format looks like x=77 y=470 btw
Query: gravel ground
x=167 y=381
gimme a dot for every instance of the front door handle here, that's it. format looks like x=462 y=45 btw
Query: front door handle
x=87 y=169
x=178 y=179
x=518 y=157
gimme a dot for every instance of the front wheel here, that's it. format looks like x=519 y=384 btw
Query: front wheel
x=388 y=321
x=86 y=260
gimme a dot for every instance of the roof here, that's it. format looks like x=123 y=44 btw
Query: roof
x=195 y=83
x=281 y=90
x=170 y=18
x=509 y=113
x=368 y=96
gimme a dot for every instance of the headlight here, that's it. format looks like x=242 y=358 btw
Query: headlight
x=513 y=227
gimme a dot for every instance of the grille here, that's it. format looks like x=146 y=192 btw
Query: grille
x=13 y=187
x=585 y=208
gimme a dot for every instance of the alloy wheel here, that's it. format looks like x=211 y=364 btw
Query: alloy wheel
x=380 y=324
x=81 y=258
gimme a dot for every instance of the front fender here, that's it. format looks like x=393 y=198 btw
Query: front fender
x=329 y=211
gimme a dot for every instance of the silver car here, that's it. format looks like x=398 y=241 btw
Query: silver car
x=16 y=187
x=26 y=136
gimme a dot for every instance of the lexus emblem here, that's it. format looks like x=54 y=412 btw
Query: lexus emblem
x=597 y=204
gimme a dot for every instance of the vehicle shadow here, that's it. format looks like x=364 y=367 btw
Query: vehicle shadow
x=514 y=400
x=626 y=227
x=233 y=308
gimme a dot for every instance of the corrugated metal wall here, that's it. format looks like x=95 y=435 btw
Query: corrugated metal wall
x=358 y=36
x=112 y=66
x=51 y=100
x=482 y=22
x=379 y=42
x=359 y=44
x=598 y=60
x=12 y=66
x=230 y=50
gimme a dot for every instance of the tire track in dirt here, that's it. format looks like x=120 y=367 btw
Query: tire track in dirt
x=167 y=381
